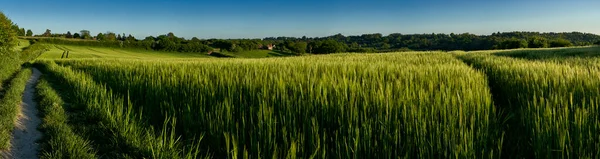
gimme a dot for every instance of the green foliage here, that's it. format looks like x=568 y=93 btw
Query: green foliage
x=85 y=34
x=110 y=36
x=48 y=33
x=538 y=42
x=296 y=47
x=29 y=32
x=328 y=46
x=21 y=32
x=560 y=43
x=8 y=35
x=513 y=43
x=59 y=141
x=100 y=37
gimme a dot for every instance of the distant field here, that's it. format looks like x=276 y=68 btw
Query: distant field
x=56 y=51
x=258 y=54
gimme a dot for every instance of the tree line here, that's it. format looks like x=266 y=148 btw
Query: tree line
x=336 y=43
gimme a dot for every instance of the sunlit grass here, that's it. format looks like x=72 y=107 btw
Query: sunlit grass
x=426 y=105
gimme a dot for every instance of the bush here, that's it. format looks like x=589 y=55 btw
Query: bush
x=560 y=43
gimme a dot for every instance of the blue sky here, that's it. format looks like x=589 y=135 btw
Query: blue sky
x=267 y=18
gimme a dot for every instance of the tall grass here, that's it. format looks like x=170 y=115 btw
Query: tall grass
x=425 y=105
x=583 y=56
x=554 y=106
x=106 y=120
x=59 y=140
x=9 y=106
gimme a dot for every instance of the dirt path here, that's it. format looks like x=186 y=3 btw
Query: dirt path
x=26 y=133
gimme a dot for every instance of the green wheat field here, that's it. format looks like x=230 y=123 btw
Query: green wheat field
x=114 y=103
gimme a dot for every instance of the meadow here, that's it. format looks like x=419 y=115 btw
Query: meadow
x=77 y=52
x=115 y=103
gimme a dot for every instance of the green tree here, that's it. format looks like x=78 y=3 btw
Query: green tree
x=296 y=47
x=69 y=35
x=514 y=43
x=29 y=32
x=354 y=45
x=130 y=38
x=560 y=43
x=76 y=36
x=538 y=42
x=110 y=36
x=148 y=43
x=85 y=34
x=8 y=36
x=100 y=37
x=48 y=33
x=22 y=32
x=328 y=46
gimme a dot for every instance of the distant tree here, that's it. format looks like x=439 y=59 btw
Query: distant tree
x=385 y=46
x=110 y=36
x=48 y=33
x=560 y=43
x=29 y=32
x=296 y=47
x=118 y=37
x=16 y=29
x=85 y=34
x=224 y=45
x=171 y=35
x=100 y=37
x=22 y=32
x=130 y=38
x=166 y=44
x=514 y=43
x=69 y=35
x=354 y=45
x=148 y=43
x=8 y=36
x=328 y=46
x=538 y=42
x=597 y=43
x=76 y=36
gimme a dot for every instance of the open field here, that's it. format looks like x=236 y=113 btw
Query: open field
x=107 y=103
x=486 y=104
x=56 y=51
x=307 y=106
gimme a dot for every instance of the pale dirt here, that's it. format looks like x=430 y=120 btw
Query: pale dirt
x=25 y=135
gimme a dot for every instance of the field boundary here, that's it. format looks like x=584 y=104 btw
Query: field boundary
x=26 y=134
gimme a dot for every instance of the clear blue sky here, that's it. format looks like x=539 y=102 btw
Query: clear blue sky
x=266 y=18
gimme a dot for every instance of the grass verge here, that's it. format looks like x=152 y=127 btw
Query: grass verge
x=9 y=106
x=59 y=140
